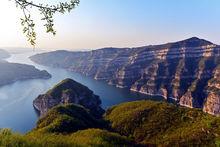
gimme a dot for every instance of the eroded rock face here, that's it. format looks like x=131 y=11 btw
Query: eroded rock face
x=212 y=104
x=183 y=71
x=66 y=92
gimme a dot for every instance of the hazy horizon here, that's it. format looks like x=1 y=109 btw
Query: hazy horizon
x=87 y=49
x=112 y=23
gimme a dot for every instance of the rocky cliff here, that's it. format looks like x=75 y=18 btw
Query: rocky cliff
x=186 y=71
x=69 y=91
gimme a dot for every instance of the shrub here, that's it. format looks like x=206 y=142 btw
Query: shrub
x=67 y=119
x=161 y=123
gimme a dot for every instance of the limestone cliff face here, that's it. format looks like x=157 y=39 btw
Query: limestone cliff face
x=183 y=71
x=212 y=103
x=66 y=92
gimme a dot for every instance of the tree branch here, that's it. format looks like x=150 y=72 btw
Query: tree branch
x=47 y=12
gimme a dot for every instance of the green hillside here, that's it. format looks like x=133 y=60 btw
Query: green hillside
x=84 y=138
x=65 y=126
x=161 y=123
x=67 y=119
x=138 y=123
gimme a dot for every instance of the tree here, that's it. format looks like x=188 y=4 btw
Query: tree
x=46 y=11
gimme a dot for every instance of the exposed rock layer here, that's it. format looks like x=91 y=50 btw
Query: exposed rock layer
x=187 y=71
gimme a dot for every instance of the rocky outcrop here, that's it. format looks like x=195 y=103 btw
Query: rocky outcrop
x=212 y=103
x=12 y=72
x=183 y=71
x=69 y=91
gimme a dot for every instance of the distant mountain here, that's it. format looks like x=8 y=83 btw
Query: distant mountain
x=69 y=91
x=4 y=54
x=12 y=72
x=186 y=71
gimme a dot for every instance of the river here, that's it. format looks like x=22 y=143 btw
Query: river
x=16 y=109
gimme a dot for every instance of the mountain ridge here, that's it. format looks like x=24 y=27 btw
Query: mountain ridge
x=185 y=71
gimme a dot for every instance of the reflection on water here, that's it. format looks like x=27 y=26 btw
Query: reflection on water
x=16 y=110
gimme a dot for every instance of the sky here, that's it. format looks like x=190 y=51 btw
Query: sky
x=116 y=23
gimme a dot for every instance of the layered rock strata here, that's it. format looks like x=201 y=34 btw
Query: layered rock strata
x=186 y=71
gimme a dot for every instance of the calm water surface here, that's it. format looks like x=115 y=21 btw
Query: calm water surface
x=16 y=109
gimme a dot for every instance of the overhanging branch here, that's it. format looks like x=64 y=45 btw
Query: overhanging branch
x=47 y=11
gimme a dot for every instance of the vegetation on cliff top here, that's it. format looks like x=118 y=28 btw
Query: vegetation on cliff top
x=68 y=84
x=66 y=126
x=84 y=138
x=67 y=119
x=129 y=124
x=161 y=123
x=69 y=91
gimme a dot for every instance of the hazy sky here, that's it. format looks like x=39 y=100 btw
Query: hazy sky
x=118 y=23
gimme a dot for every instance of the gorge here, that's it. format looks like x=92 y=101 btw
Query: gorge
x=186 y=71
x=16 y=99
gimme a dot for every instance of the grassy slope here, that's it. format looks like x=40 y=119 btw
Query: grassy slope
x=145 y=122
x=65 y=125
x=67 y=119
x=159 y=123
x=84 y=138
x=68 y=84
